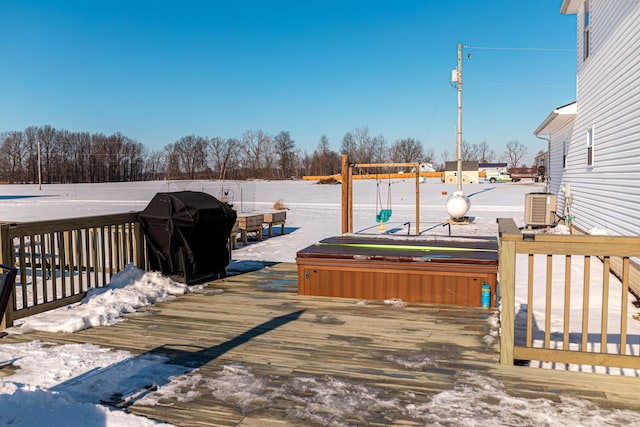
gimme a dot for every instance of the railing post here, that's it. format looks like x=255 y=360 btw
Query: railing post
x=6 y=258
x=507 y=264
x=6 y=246
x=345 y=194
x=138 y=239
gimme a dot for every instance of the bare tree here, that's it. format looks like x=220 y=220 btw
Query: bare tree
x=70 y=156
x=348 y=146
x=430 y=155
x=11 y=144
x=64 y=158
x=83 y=157
x=83 y=150
x=514 y=152
x=270 y=159
x=319 y=161
x=112 y=155
x=285 y=153
x=362 y=147
x=156 y=165
x=31 y=147
x=379 y=149
x=191 y=153
x=223 y=153
x=468 y=151
x=98 y=158
x=324 y=161
x=172 y=162
x=407 y=150
x=323 y=144
x=215 y=151
x=482 y=152
x=254 y=145
x=133 y=153
x=46 y=136
x=445 y=157
x=486 y=154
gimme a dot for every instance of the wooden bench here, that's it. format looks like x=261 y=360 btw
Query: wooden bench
x=250 y=223
x=233 y=238
x=275 y=218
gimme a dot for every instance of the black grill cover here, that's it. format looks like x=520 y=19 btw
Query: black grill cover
x=187 y=235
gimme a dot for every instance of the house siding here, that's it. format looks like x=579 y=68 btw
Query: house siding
x=556 y=168
x=607 y=194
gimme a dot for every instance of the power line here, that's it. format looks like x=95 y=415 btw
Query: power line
x=515 y=84
x=545 y=49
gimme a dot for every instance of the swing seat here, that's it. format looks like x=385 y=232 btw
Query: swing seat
x=383 y=215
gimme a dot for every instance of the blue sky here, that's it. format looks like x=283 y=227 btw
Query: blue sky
x=159 y=70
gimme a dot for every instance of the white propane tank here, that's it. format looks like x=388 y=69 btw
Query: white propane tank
x=458 y=205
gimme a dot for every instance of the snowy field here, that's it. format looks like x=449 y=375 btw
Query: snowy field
x=53 y=385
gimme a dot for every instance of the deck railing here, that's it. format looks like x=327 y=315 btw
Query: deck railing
x=58 y=261
x=584 y=319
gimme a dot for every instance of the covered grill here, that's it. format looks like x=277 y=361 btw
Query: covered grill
x=187 y=235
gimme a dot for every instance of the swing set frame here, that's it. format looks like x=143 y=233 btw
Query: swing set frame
x=347 y=189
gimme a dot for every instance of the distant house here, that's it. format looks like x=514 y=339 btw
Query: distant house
x=469 y=172
x=492 y=166
x=542 y=163
x=594 y=142
x=559 y=126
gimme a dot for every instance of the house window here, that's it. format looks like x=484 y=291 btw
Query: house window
x=585 y=37
x=565 y=149
x=590 y=144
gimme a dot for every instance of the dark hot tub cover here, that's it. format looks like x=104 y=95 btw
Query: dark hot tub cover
x=187 y=234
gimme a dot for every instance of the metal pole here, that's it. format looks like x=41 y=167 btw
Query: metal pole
x=39 y=169
x=459 y=151
x=547 y=169
x=417 y=167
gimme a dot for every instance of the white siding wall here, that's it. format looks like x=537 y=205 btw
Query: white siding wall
x=557 y=171
x=606 y=195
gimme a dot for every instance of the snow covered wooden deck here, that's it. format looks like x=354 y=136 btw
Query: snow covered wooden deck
x=257 y=354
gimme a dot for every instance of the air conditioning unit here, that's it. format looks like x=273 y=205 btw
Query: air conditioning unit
x=540 y=209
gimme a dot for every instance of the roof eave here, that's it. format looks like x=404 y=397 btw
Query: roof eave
x=557 y=119
x=570 y=7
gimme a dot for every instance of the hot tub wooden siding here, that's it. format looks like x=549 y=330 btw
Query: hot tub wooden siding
x=399 y=269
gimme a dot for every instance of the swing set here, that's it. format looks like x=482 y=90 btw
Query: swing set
x=383 y=213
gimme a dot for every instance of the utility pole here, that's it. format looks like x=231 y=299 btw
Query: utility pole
x=458 y=204
x=459 y=147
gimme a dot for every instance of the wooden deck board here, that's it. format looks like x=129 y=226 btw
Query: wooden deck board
x=236 y=321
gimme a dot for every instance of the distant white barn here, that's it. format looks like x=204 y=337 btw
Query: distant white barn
x=594 y=143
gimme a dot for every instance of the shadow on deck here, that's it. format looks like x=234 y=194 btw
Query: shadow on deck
x=250 y=351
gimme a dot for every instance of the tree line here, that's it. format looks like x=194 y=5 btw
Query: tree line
x=49 y=155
